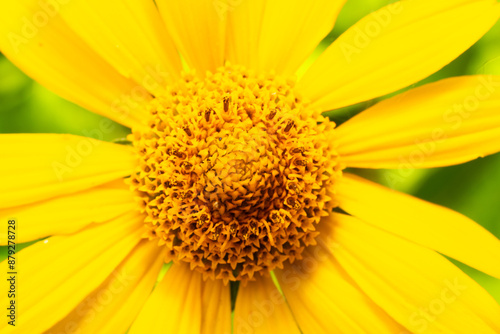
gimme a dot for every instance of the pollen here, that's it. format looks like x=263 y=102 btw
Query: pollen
x=235 y=173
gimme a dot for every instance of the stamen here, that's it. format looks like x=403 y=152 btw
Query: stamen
x=227 y=101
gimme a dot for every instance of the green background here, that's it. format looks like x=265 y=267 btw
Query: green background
x=472 y=189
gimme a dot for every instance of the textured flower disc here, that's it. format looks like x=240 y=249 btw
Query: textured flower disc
x=235 y=172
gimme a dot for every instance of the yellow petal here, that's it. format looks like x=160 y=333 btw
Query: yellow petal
x=69 y=213
x=244 y=30
x=395 y=47
x=129 y=35
x=113 y=306
x=198 y=30
x=174 y=306
x=216 y=307
x=281 y=34
x=324 y=299
x=261 y=308
x=416 y=286
x=43 y=166
x=55 y=275
x=35 y=38
x=444 y=123
x=429 y=225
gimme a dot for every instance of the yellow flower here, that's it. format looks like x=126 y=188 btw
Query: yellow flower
x=234 y=176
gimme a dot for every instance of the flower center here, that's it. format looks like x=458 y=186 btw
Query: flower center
x=235 y=172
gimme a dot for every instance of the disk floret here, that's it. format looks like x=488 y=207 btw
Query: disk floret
x=235 y=173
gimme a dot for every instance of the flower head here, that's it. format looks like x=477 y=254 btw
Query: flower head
x=235 y=173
